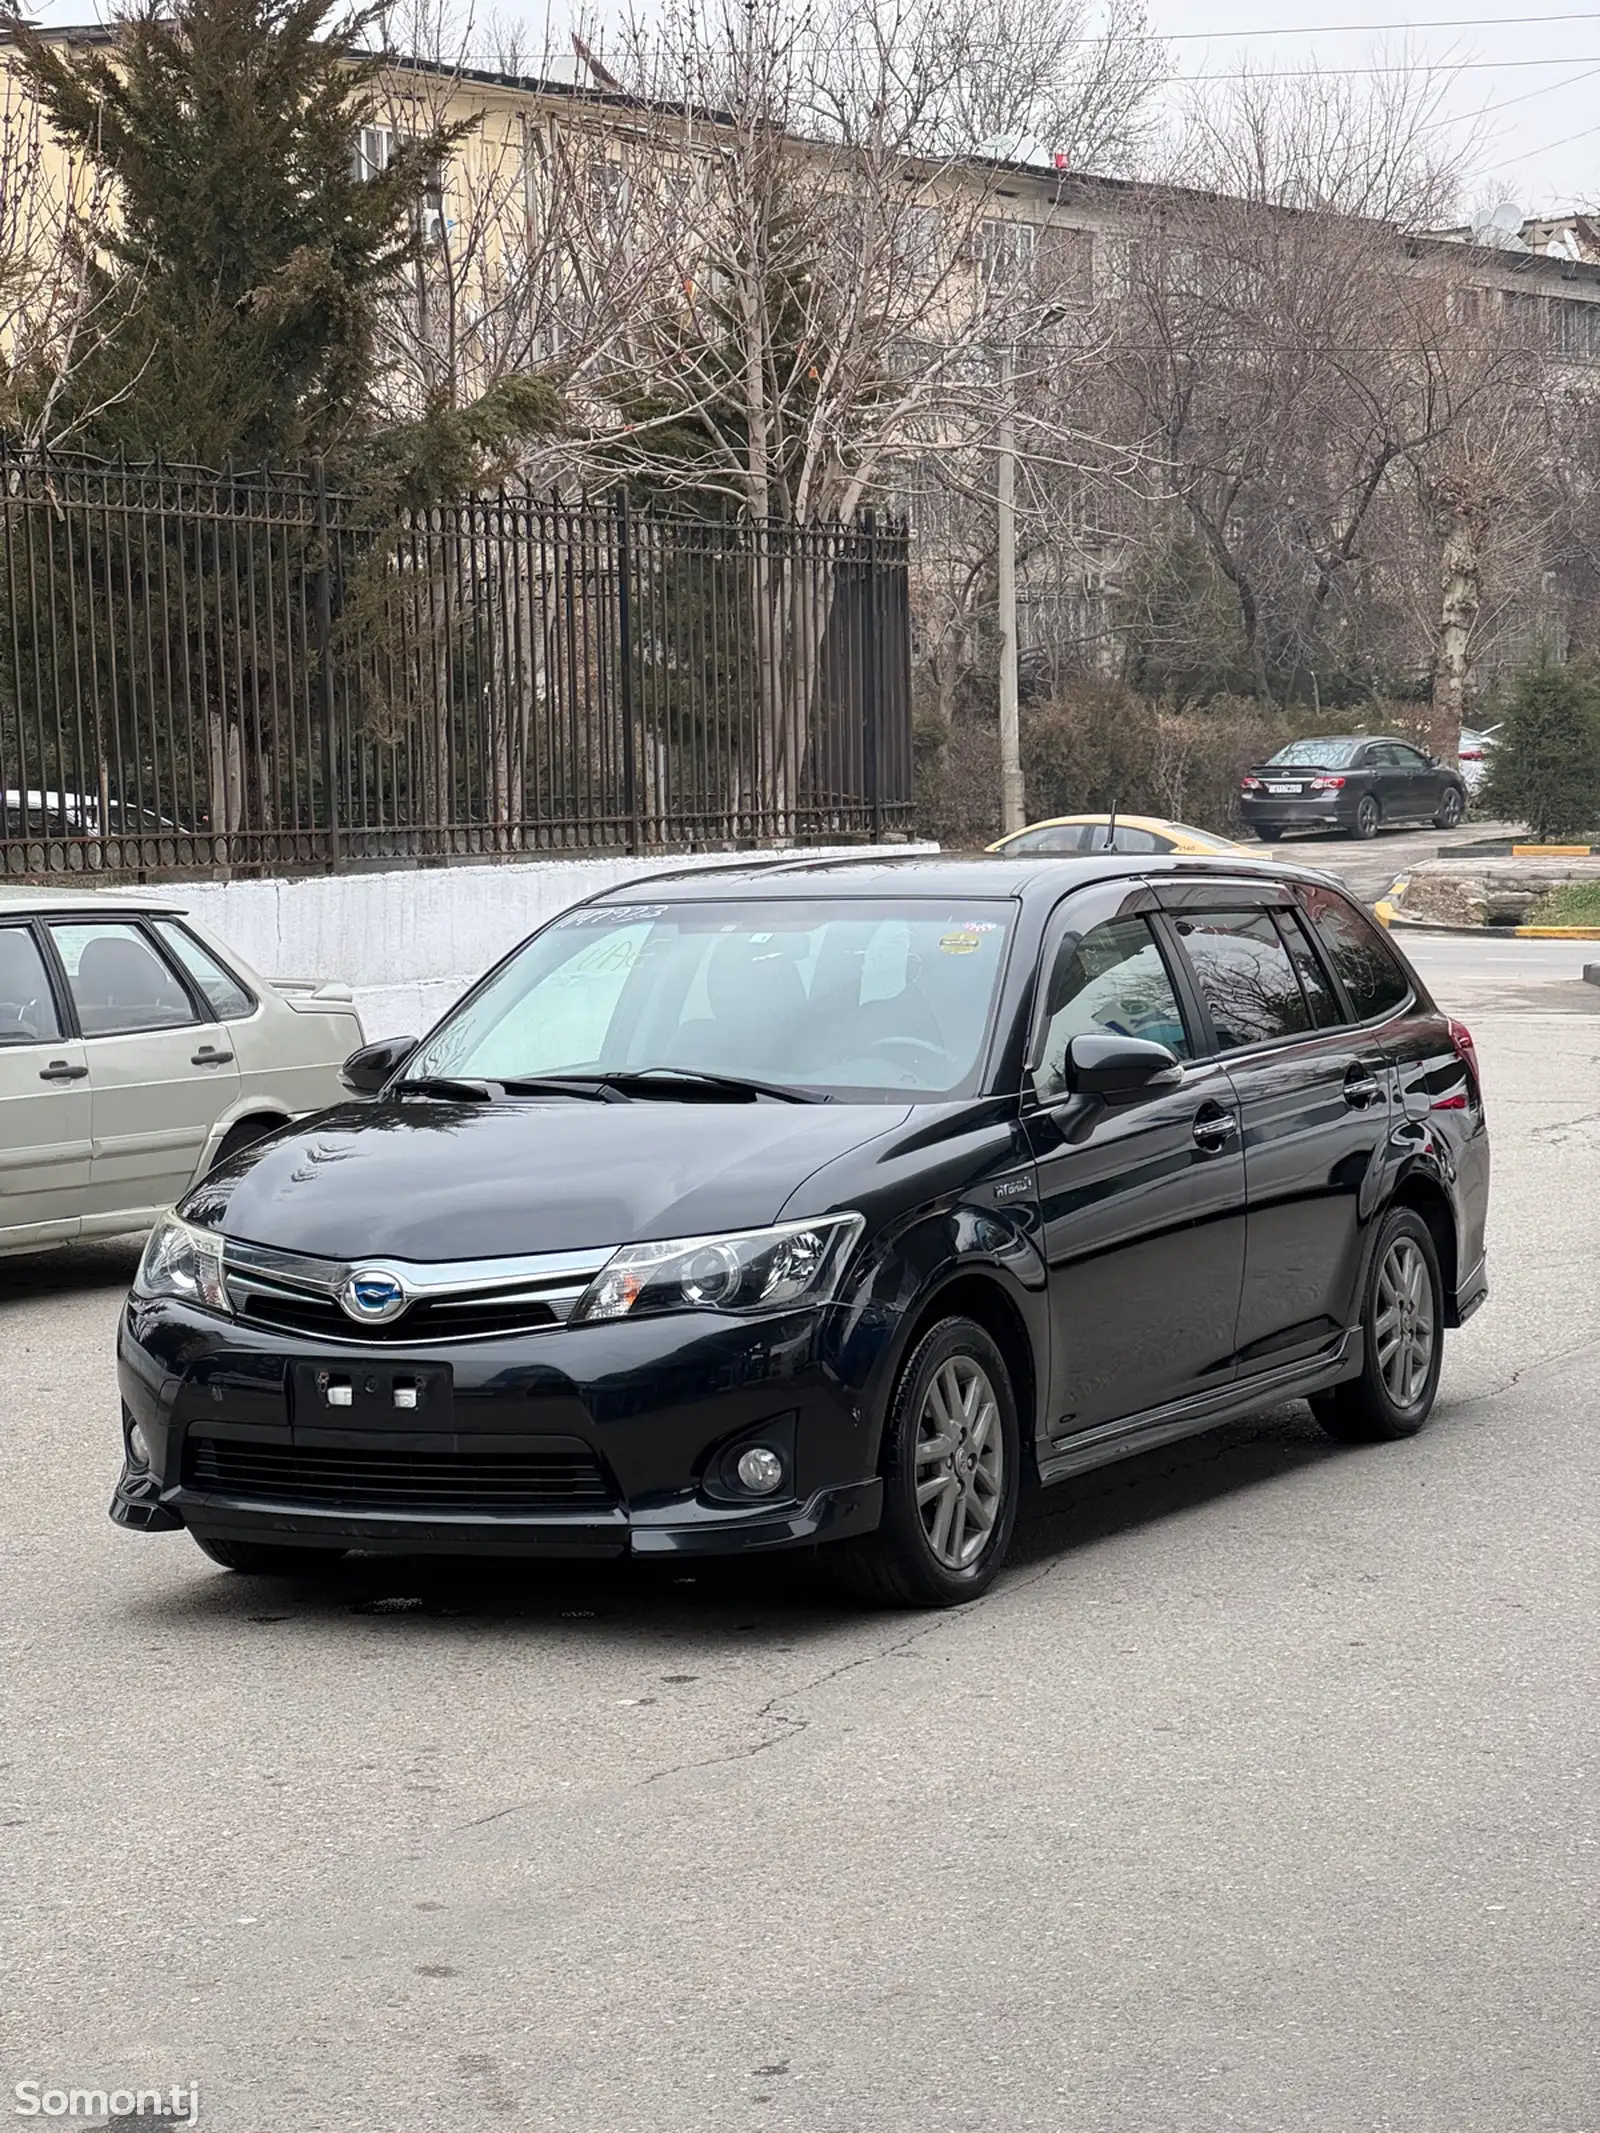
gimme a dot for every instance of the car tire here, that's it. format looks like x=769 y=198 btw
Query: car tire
x=1395 y=1392
x=925 y=1553
x=1267 y=836
x=1368 y=816
x=265 y=1559
x=1451 y=809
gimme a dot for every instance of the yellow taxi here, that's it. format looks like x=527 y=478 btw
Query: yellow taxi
x=1114 y=833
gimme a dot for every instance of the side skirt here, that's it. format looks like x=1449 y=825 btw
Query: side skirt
x=1110 y=1441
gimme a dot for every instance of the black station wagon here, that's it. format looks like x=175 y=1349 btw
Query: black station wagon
x=821 y=1205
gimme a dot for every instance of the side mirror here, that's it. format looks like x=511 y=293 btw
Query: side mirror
x=1113 y=1067
x=365 y=1072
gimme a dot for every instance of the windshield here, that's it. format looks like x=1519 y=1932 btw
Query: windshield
x=1322 y=755
x=871 y=1000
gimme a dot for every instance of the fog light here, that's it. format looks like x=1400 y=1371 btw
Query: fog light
x=138 y=1445
x=760 y=1470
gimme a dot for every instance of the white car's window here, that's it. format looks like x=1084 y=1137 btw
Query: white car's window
x=27 y=1006
x=228 y=998
x=1112 y=982
x=119 y=983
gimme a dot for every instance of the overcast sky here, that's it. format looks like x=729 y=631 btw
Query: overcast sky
x=1541 y=150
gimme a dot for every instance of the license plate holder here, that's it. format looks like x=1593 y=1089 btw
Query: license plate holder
x=386 y=1396
x=1282 y=789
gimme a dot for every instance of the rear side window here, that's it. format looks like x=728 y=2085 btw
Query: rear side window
x=227 y=997
x=119 y=983
x=1326 y=1012
x=1359 y=953
x=1245 y=976
x=27 y=1005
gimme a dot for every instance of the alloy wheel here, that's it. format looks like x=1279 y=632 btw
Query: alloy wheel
x=1403 y=1324
x=960 y=1463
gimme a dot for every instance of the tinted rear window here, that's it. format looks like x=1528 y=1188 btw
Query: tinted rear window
x=1321 y=755
x=1245 y=976
x=1359 y=953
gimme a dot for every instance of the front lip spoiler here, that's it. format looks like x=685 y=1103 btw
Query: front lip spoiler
x=829 y=1515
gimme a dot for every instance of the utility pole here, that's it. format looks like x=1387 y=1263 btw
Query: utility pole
x=1012 y=811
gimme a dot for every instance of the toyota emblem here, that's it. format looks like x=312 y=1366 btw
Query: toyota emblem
x=373 y=1295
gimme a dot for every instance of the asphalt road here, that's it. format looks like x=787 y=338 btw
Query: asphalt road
x=1259 y=1794
x=1370 y=866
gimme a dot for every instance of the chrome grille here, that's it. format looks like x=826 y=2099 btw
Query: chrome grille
x=448 y=1301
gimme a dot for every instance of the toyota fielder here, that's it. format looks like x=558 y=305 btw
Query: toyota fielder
x=821 y=1205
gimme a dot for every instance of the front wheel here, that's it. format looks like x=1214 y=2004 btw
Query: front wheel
x=1366 y=817
x=1451 y=808
x=1402 y=1323
x=264 y=1559
x=951 y=1470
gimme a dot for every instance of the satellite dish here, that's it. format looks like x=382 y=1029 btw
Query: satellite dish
x=1500 y=226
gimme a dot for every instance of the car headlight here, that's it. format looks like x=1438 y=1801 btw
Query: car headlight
x=752 y=1270
x=180 y=1260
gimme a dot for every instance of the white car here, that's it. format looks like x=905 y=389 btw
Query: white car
x=135 y=1053
x=1477 y=745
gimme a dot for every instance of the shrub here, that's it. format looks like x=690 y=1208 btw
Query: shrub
x=1545 y=769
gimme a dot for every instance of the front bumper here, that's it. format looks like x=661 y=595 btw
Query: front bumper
x=625 y=1427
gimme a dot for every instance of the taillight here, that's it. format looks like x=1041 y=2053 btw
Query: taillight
x=1326 y=784
x=1467 y=1052
x=1249 y=784
x=1472 y=755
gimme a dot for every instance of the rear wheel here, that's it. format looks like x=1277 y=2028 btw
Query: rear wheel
x=1266 y=834
x=1366 y=824
x=264 y=1559
x=951 y=1470
x=1451 y=808
x=1402 y=1324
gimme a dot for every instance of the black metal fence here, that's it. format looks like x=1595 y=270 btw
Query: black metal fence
x=204 y=671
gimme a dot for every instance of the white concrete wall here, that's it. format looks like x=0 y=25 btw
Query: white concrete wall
x=411 y=941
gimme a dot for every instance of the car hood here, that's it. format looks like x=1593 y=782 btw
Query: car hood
x=425 y=1180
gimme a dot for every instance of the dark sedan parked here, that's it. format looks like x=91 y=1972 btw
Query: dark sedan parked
x=822 y=1202
x=1345 y=782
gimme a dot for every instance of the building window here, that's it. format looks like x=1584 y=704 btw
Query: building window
x=916 y=241
x=374 y=151
x=1006 y=252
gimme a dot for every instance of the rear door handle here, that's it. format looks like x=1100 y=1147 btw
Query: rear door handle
x=207 y=1057
x=1214 y=1128
x=1362 y=1088
x=58 y=1070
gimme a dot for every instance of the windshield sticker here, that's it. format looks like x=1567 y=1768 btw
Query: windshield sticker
x=963 y=943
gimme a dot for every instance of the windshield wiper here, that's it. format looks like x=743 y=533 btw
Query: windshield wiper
x=592 y=1088
x=735 y=1084
x=474 y=1092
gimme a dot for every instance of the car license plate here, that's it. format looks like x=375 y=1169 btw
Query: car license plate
x=373 y=1396
x=1283 y=788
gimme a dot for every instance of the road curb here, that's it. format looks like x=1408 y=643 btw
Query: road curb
x=1387 y=910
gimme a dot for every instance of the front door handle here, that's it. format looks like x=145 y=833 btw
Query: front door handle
x=1362 y=1088
x=58 y=1070
x=206 y=1056
x=1214 y=1128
